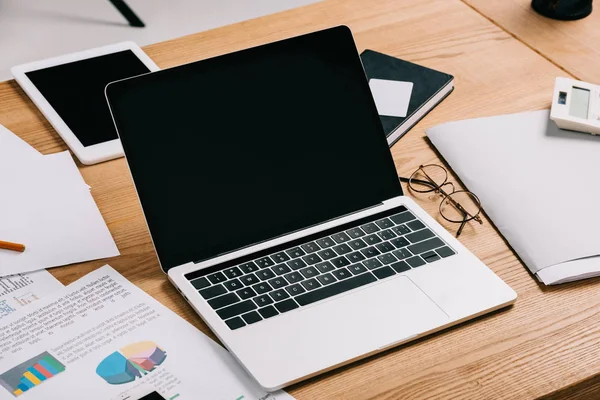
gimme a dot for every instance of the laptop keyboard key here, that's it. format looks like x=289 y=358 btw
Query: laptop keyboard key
x=286 y=305
x=231 y=273
x=357 y=269
x=340 y=237
x=296 y=264
x=400 y=266
x=217 y=277
x=384 y=247
x=430 y=256
x=327 y=254
x=384 y=223
x=355 y=257
x=370 y=252
x=294 y=277
x=311 y=284
x=372 y=263
x=262 y=287
x=279 y=295
x=403 y=217
x=326 y=279
x=372 y=239
x=233 y=285
x=249 y=279
x=213 y=291
x=309 y=272
x=335 y=289
x=420 y=235
x=357 y=244
x=281 y=269
x=236 y=309
x=383 y=272
x=400 y=242
x=312 y=259
x=235 y=323
x=342 y=249
x=248 y=267
x=387 y=258
x=310 y=247
x=295 y=289
x=370 y=228
x=355 y=233
x=415 y=261
x=263 y=300
x=416 y=225
x=280 y=257
x=278 y=282
x=445 y=252
x=268 y=312
x=325 y=267
x=340 y=262
x=246 y=293
x=425 y=245
x=265 y=262
x=222 y=301
x=401 y=230
x=341 y=273
x=265 y=274
x=295 y=252
x=252 y=317
x=387 y=234
x=401 y=254
x=200 y=283
x=325 y=242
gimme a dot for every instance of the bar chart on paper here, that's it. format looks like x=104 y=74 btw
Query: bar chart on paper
x=30 y=373
x=18 y=291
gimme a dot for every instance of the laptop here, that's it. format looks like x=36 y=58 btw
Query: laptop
x=275 y=209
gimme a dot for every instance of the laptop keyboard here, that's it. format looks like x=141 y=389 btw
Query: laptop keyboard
x=283 y=278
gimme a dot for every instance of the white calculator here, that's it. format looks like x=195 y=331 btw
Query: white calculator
x=576 y=106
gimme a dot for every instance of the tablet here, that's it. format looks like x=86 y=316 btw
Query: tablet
x=69 y=91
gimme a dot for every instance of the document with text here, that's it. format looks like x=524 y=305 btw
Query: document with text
x=103 y=338
x=17 y=291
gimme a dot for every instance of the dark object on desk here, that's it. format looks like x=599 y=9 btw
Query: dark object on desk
x=128 y=13
x=430 y=87
x=564 y=10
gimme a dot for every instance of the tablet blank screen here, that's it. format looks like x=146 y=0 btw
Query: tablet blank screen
x=76 y=92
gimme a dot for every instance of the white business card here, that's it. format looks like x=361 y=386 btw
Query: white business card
x=391 y=97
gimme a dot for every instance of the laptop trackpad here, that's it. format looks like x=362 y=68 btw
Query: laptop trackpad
x=392 y=311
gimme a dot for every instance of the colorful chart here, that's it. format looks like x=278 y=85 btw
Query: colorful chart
x=131 y=362
x=31 y=373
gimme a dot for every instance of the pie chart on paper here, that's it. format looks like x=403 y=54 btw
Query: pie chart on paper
x=130 y=362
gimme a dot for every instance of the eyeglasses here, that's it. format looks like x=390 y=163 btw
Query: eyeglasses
x=458 y=206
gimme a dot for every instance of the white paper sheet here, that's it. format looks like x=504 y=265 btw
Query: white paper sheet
x=13 y=146
x=104 y=337
x=536 y=182
x=18 y=291
x=47 y=206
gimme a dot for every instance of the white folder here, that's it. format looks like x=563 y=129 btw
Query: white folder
x=540 y=185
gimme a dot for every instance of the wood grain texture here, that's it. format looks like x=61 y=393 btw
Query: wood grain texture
x=572 y=45
x=547 y=342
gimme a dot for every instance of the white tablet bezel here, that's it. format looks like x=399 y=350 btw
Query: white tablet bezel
x=91 y=154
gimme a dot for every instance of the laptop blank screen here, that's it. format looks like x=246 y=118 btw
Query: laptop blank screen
x=242 y=148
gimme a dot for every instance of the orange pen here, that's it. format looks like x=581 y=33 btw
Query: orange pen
x=12 y=246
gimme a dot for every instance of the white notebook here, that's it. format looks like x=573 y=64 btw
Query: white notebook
x=538 y=184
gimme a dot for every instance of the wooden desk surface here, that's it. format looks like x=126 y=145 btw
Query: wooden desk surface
x=547 y=344
x=572 y=45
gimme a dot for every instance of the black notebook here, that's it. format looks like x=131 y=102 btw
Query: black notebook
x=429 y=88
